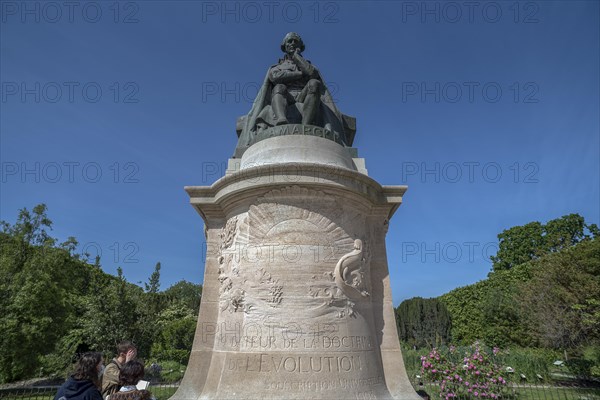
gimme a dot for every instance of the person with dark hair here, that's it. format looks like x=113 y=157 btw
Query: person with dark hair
x=126 y=351
x=84 y=384
x=131 y=373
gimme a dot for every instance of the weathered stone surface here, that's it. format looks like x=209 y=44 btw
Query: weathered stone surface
x=297 y=149
x=296 y=301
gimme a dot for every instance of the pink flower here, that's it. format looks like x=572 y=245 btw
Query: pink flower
x=475 y=394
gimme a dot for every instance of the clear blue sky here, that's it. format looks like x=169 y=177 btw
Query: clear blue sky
x=488 y=112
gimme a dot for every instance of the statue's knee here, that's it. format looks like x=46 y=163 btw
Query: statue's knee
x=280 y=89
x=314 y=86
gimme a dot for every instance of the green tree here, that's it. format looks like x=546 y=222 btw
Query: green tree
x=521 y=244
x=54 y=304
x=31 y=228
x=423 y=322
x=110 y=315
x=188 y=293
x=560 y=303
x=518 y=245
x=176 y=326
x=176 y=323
x=150 y=305
x=153 y=285
x=564 y=232
x=35 y=298
x=551 y=301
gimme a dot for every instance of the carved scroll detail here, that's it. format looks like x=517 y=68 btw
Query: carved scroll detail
x=349 y=273
x=346 y=285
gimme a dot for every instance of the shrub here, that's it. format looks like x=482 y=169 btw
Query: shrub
x=580 y=367
x=472 y=374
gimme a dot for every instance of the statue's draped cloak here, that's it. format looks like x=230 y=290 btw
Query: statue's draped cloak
x=261 y=111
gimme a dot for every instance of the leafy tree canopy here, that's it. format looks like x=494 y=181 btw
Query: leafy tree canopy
x=521 y=244
x=53 y=305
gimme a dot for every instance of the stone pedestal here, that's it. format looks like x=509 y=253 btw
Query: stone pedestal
x=296 y=301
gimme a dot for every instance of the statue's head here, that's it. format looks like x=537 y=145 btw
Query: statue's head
x=290 y=42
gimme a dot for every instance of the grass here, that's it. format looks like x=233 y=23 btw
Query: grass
x=557 y=393
x=532 y=392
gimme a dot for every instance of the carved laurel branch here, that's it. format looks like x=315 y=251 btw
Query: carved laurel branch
x=231 y=294
x=227 y=233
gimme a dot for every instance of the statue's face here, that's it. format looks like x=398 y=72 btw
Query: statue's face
x=291 y=44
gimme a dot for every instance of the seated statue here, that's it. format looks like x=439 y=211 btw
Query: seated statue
x=293 y=92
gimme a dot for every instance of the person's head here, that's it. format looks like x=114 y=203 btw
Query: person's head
x=290 y=42
x=131 y=373
x=89 y=366
x=124 y=349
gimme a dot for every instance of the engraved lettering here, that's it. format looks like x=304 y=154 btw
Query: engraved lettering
x=303 y=364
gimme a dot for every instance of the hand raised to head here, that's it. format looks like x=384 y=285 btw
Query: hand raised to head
x=131 y=354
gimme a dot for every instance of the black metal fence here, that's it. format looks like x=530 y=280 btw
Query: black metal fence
x=558 y=389
x=160 y=392
x=554 y=386
x=518 y=391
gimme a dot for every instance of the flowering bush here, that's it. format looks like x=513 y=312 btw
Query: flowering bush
x=474 y=374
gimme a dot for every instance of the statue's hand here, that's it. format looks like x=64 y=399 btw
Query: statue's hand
x=297 y=57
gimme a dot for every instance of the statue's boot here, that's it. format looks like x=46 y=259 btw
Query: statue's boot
x=312 y=102
x=279 y=103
